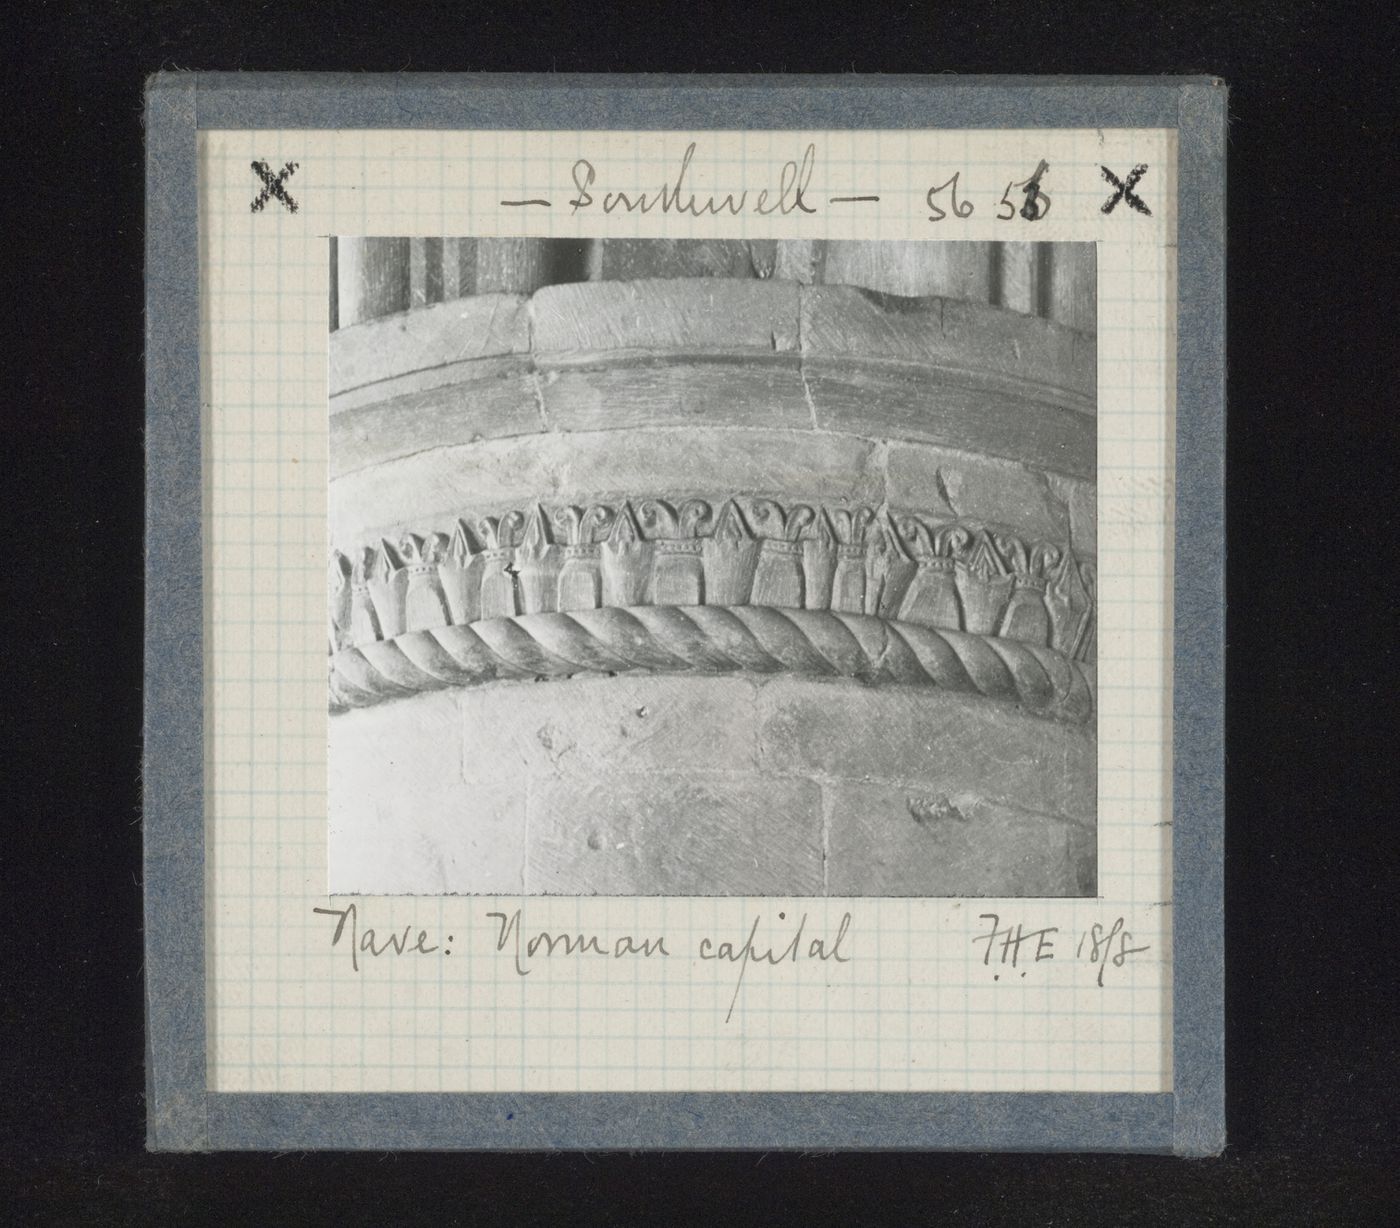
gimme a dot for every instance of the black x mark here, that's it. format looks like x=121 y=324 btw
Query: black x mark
x=272 y=186
x=1125 y=189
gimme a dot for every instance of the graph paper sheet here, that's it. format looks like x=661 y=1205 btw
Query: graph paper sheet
x=923 y=997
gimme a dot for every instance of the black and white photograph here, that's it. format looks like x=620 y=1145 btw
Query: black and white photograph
x=712 y=568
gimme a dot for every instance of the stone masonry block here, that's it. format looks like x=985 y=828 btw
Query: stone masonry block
x=927 y=842
x=433 y=409
x=1082 y=500
x=631 y=259
x=911 y=267
x=702 y=314
x=487 y=326
x=758 y=392
x=951 y=408
x=1020 y=347
x=411 y=839
x=629 y=723
x=414 y=740
x=927 y=738
x=980 y=488
x=674 y=834
x=845 y=322
x=500 y=474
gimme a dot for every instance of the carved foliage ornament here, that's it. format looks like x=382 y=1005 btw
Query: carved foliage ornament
x=894 y=566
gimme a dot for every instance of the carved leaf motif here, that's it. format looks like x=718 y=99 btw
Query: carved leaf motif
x=768 y=517
x=389 y=562
x=951 y=541
x=696 y=517
x=887 y=540
x=798 y=518
x=1068 y=601
x=597 y=521
x=460 y=550
x=1013 y=550
x=625 y=531
x=917 y=537
x=1089 y=575
x=1044 y=557
x=751 y=551
x=340 y=598
x=731 y=528
x=1086 y=646
x=535 y=540
x=365 y=564
x=625 y=561
x=537 y=566
x=422 y=551
x=659 y=519
x=569 y=521
x=850 y=524
x=501 y=532
x=339 y=571
x=889 y=567
x=983 y=561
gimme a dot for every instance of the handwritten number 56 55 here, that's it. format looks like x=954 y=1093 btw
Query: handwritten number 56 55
x=961 y=208
x=1035 y=202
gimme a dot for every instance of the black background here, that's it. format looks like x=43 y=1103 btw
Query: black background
x=1314 y=428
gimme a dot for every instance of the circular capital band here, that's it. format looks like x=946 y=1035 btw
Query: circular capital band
x=711 y=640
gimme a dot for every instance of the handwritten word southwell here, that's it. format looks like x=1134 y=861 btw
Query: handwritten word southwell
x=676 y=196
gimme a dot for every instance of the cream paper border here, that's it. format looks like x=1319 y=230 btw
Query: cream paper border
x=915 y=1009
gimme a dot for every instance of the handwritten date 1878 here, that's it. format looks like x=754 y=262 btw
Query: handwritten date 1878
x=1016 y=945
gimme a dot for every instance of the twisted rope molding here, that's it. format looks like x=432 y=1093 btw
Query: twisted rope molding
x=711 y=640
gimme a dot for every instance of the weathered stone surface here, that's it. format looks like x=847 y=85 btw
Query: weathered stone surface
x=624 y=724
x=413 y=743
x=911 y=268
x=800 y=260
x=765 y=392
x=730 y=316
x=736 y=639
x=980 y=488
x=735 y=383
x=927 y=738
x=1035 y=356
x=372 y=276
x=504 y=474
x=674 y=834
x=949 y=408
x=1020 y=276
x=627 y=259
x=708 y=790
x=1021 y=347
x=1072 y=274
x=846 y=321
x=412 y=839
x=488 y=326
x=436 y=408
x=524 y=265
x=917 y=842
x=378 y=276
x=1082 y=500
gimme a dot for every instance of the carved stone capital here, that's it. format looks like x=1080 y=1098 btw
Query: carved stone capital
x=907 y=572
